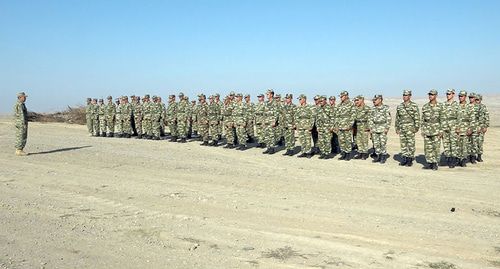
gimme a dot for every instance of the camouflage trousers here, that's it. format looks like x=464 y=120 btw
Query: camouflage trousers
x=138 y=124
x=182 y=126
x=203 y=130
x=228 y=130
x=172 y=127
x=432 y=147
x=305 y=140
x=21 y=135
x=95 y=125
x=324 y=138
x=259 y=132
x=213 y=128
x=362 y=138
x=118 y=126
x=162 y=127
x=155 y=126
x=241 y=133
x=462 y=149
x=147 y=126
x=473 y=144
x=89 y=123
x=289 y=134
x=269 y=135
x=110 y=124
x=380 y=142
x=250 y=129
x=194 y=125
x=345 y=140
x=450 y=143
x=102 y=124
x=278 y=133
x=407 y=142
x=124 y=125
x=480 y=142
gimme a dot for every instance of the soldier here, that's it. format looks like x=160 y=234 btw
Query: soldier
x=156 y=117
x=193 y=130
x=138 y=115
x=432 y=130
x=259 y=121
x=21 y=124
x=171 y=118
x=380 y=122
x=463 y=130
x=484 y=124
x=163 y=109
x=118 y=117
x=407 y=125
x=202 y=115
x=363 y=113
x=344 y=119
x=335 y=138
x=304 y=120
x=250 y=130
x=214 y=116
x=324 y=126
x=219 y=125
x=102 y=118
x=182 y=117
x=132 y=117
x=240 y=121
x=88 y=116
x=474 y=137
x=270 y=122
x=147 y=117
x=287 y=122
x=450 y=111
x=110 y=116
x=278 y=136
x=126 y=116
x=94 y=117
x=227 y=114
x=314 y=131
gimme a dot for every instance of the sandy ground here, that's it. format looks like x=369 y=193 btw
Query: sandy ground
x=84 y=202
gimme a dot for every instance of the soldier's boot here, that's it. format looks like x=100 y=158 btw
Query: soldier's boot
x=377 y=158
x=157 y=138
x=20 y=152
x=358 y=156
x=302 y=155
x=410 y=162
x=205 y=143
x=127 y=135
x=472 y=159
x=272 y=151
x=183 y=140
x=118 y=135
x=383 y=158
x=243 y=147
x=342 y=156
x=435 y=166
x=452 y=163
x=103 y=134
x=111 y=134
x=373 y=155
x=463 y=163
x=173 y=139
x=404 y=162
x=347 y=156
x=310 y=154
x=262 y=145
x=479 y=159
x=139 y=136
x=323 y=156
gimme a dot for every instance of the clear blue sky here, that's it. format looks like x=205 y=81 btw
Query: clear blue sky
x=60 y=52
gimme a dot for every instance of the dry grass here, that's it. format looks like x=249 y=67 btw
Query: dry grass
x=73 y=115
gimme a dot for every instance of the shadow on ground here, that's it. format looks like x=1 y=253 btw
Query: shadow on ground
x=59 y=150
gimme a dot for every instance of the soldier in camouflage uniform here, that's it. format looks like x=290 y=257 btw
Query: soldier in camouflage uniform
x=259 y=120
x=214 y=115
x=363 y=113
x=102 y=118
x=450 y=111
x=171 y=118
x=474 y=137
x=132 y=117
x=463 y=130
x=147 y=117
x=278 y=135
x=118 y=117
x=240 y=117
x=250 y=127
x=227 y=114
x=314 y=131
x=407 y=125
x=110 y=116
x=163 y=116
x=202 y=117
x=21 y=124
x=182 y=117
x=304 y=120
x=287 y=121
x=137 y=114
x=380 y=122
x=432 y=130
x=344 y=119
x=219 y=125
x=324 y=125
x=88 y=116
x=335 y=138
x=156 y=117
x=94 y=117
x=126 y=116
x=484 y=124
x=270 y=122
x=193 y=130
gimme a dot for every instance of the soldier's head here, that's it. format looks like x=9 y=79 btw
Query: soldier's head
x=181 y=95
x=277 y=98
x=462 y=97
x=21 y=97
x=450 y=94
x=201 y=98
x=89 y=100
x=101 y=101
x=154 y=98
x=316 y=99
x=137 y=99
x=332 y=100
x=344 y=95
x=247 y=98
x=239 y=97
x=432 y=95
x=406 y=95
x=302 y=99
x=472 y=98
x=159 y=99
x=217 y=97
x=288 y=98
x=171 y=98
x=110 y=99
x=479 y=98
x=359 y=100
x=211 y=99
x=260 y=97
x=118 y=101
x=231 y=95
x=322 y=100
x=270 y=94
x=125 y=99
x=377 y=99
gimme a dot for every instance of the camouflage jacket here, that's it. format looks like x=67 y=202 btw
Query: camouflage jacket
x=288 y=115
x=432 y=118
x=260 y=108
x=125 y=110
x=344 y=115
x=171 y=112
x=20 y=114
x=88 y=111
x=227 y=112
x=240 y=113
x=362 y=118
x=202 y=113
x=137 y=110
x=214 y=113
x=147 y=110
x=270 y=113
x=323 y=118
x=380 y=119
x=450 y=111
x=101 y=111
x=407 y=117
x=94 y=111
x=484 y=116
x=110 y=110
x=156 y=112
x=465 y=119
x=183 y=110
x=250 y=107
x=304 y=117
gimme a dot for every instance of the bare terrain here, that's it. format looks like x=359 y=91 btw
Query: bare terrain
x=85 y=202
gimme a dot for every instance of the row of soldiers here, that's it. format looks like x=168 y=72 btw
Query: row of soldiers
x=323 y=128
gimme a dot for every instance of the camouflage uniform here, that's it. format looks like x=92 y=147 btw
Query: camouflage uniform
x=227 y=116
x=156 y=118
x=407 y=125
x=193 y=117
x=94 y=117
x=147 y=117
x=304 y=120
x=250 y=129
x=219 y=125
x=182 y=118
x=278 y=130
x=287 y=122
x=465 y=120
x=344 y=119
x=137 y=112
x=88 y=117
x=202 y=117
x=474 y=137
x=450 y=111
x=362 y=117
x=324 y=125
x=270 y=115
x=214 y=117
x=126 y=116
x=110 y=116
x=431 y=127
x=20 y=124
x=259 y=122
x=240 y=117
x=171 y=118
x=102 y=118
x=163 y=117
x=118 y=119
x=379 y=123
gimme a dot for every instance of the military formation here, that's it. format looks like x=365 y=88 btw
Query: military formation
x=351 y=129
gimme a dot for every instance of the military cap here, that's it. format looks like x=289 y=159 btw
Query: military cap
x=462 y=93
x=132 y=96
x=407 y=92
x=217 y=95
x=95 y=99
x=231 y=93
x=377 y=96
x=316 y=97
x=172 y=96
x=343 y=93
x=146 y=96
x=289 y=95
x=239 y=95
x=211 y=97
x=277 y=96
x=323 y=97
x=201 y=95
x=359 y=97
x=450 y=91
x=181 y=94
x=109 y=97
x=260 y=95
x=88 y=98
x=101 y=100
x=433 y=92
x=155 y=97
x=270 y=91
x=479 y=96
x=332 y=97
x=472 y=95
x=247 y=95
x=302 y=96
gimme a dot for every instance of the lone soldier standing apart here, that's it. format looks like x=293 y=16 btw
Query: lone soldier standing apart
x=380 y=122
x=407 y=125
x=344 y=119
x=432 y=130
x=21 y=123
